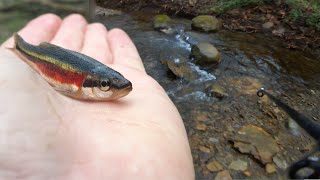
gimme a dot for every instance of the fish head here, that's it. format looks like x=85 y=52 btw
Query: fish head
x=110 y=87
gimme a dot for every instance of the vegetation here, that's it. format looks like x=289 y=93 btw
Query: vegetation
x=225 y=5
x=307 y=11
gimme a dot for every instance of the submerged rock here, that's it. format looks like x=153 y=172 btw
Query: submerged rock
x=214 y=166
x=223 y=175
x=161 y=22
x=270 y=168
x=254 y=140
x=201 y=127
x=181 y=69
x=206 y=23
x=239 y=165
x=205 y=54
x=215 y=90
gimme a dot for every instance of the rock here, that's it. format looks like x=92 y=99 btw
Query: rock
x=279 y=31
x=181 y=69
x=193 y=2
x=215 y=90
x=270 y=168
x=106 y=12
x=214 y=140
x=223 y=175
x=247 y=173
x=201 y=127
x=254 y=140
x=161 y=22
x=214 y=166
x=206 y=23
x=268 y=25
x=281 y=163
x=204 y=149
x=205 y=54
x=239 y=165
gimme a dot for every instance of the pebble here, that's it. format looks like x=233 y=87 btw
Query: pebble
x=204 y=149
x=270 y=168
x=239 y=165
x=201 y=127
x=214 y=166
x=223 y=175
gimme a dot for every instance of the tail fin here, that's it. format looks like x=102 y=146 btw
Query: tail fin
x=15 y=43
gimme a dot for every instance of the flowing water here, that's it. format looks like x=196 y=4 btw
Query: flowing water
x=248 y=63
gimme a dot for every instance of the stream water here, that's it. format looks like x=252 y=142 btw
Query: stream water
x=249 y=61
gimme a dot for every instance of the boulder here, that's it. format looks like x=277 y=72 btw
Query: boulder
x=206 y=23
x=205 y=54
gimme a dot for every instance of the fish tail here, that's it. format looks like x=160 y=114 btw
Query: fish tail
x=16 y=38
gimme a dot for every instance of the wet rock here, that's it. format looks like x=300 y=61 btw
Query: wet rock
x=281 y=163
x=254 y=140
x=223 y=175
x=294 y=127
x=161 y=22
x=215 y=90
x=268 y=25
x=204 y=149
x=100 y=11
x=239 y=165
x=201 y=127
x=245 y=85
x=270 y=168
x=214 y=140
x=181 y=69
x=205 y=54
x=247 y=173
x=214 y=166
x=206 y=23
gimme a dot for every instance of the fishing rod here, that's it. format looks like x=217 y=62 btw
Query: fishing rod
x=310 y=161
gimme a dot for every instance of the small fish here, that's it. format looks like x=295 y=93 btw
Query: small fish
x=71 y=73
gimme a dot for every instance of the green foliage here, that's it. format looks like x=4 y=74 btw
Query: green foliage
x=225 y=5
x=305 y=9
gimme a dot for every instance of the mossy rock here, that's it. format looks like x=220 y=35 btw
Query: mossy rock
x=206 y=23
x=161 y=21
x=205 y=54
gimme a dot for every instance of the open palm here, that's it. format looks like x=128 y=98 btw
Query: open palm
x=44 y=134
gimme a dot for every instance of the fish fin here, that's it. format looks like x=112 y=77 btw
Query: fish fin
x=47 y=45
x=15 y=42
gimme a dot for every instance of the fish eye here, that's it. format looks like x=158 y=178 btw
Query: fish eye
x=104 y=85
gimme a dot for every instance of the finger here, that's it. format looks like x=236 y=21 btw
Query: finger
x=71 y=33
x=123 y=50
x=40 y=29
x=95 y=43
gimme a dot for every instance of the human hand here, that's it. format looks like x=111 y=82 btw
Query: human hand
x=47 y=135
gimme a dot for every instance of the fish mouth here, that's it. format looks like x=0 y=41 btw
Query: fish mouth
x=123 y=92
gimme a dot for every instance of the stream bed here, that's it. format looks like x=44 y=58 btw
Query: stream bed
x=216 y=123
x=248 y=63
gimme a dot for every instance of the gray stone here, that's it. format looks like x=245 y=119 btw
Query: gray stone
x=205 y=54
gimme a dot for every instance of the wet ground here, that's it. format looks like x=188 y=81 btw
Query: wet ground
x=217 y=125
